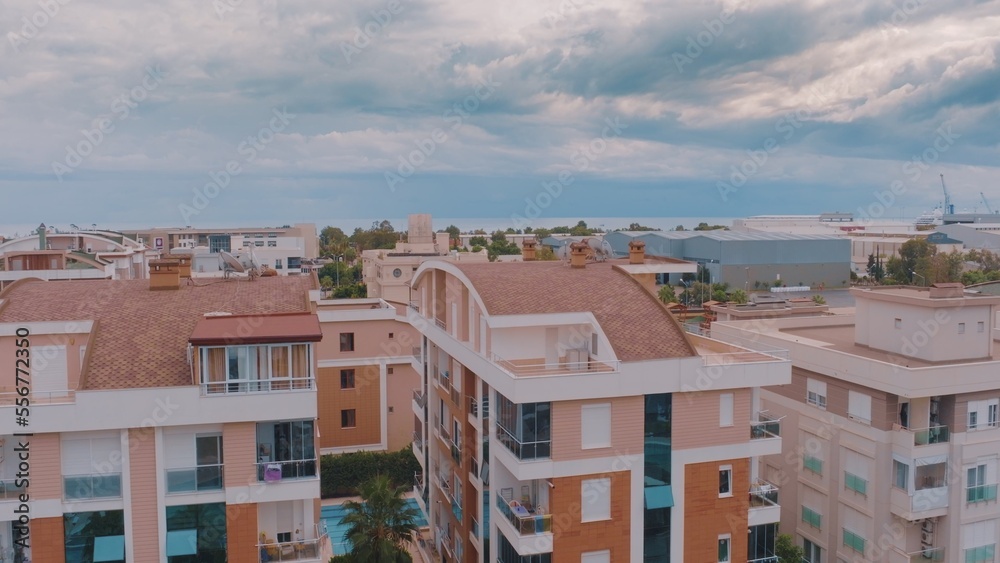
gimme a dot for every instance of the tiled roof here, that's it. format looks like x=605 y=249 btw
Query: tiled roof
x=637 y=325
x=142 y=335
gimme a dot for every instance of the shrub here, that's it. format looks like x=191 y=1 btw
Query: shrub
x=342 y=475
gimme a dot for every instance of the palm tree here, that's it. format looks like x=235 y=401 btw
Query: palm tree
x=382 y=524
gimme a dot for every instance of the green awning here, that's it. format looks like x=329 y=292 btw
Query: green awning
x=109 y=548
x=659 y=497
x=182 y=542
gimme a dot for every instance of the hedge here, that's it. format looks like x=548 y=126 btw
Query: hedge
x=342 y=475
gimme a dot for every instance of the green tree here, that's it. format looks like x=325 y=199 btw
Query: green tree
x=545 y=253
x=666 y=294
x=581 y=229
x=787 y=551
x=739 y=297
x=332 y=241
x=454 y=233
x=478 y=241
x=541 y=233
x=706 y=227
x=382 y=524
x=679 y=228
x=498 y=236
x=819 y=299
x=638 y=227
x=914 y=262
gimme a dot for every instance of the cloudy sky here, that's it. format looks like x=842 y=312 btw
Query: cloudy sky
x=183 y=112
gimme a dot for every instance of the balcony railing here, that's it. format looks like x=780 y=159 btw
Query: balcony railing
x=765 y=559
x=87 y=487
x=932 y=554
x=414 y=306
x=763 y=494
x=474 y=467
x=525 y=522
x=418 y=353
x=980 y=493
x=9 y=489
x=39 y=398
x=418 y=481
x=248 y=386
x=475 y=528
x=291 y=551
x=195 y=479
x=534 y=368
x=440 y=324
x=419 y=398
x=456 y=397
x=418 y=439
x=932 y=435
x=766 y=426
x=456 y=453
x=276 y=471
x=524 y=450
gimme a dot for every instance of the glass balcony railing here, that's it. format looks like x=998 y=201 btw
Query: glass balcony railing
x=765 y=427
x=418 y=439
x=980 y=493
x=88 y=487
x=194 y=479
x=524 y=521
x=276 y=471
x=291 y=551
x=9 y=489
x=763 y=494
x=923 y=555
x=419 y=398
x=932 y=435
x=540 y=449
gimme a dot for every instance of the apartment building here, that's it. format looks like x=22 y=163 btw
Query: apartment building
x=565 y=415
x=168 y=422
x=892 y=443
x=366 y=375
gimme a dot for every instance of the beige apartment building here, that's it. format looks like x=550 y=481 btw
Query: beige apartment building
x=892 y=439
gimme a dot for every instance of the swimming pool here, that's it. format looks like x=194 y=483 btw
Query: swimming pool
x=332 y=516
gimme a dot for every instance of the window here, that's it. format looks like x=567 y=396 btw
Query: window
x=855 y=483
x=259 y=243
x=983 y=414
x=348 y=418
x=595 y=424
x=981 y=554
x=724 y=548
x=596 y=499
x=854 y=541
x=977 y=490
x=277 y=264
x=726 y=481
x=347 y=379
x=726 y=409
x=898 y=323
x=961 y=328
x=816 y=393
x=813 y=463
x=811 y=517
x=811 y=552
x=391 y=335
x=347 y=342
x=859 y=407
x=979 y=541
x=272 y=243
x=900 y=474
x=388 y=371
x=980 y=326
x=596 y=557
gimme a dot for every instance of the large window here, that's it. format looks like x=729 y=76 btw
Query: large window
x=507 y=554
x=95 y=536
x=252 y=369
x=900 y=475
x=91 y=467
x=983 y=414
x=812 y=552
x=206 y=474
x=595 y=499
x=196 y=533
x=290 y=450
x=525 y=429
x=762 y=542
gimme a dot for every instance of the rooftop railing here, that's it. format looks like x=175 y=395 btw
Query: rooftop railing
x=39 y=398
x=249 y=386
x=533 y=368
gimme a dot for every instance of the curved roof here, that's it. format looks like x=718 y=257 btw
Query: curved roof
x=142 y=335
x=638 y=326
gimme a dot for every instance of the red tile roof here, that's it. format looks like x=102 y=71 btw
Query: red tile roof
x=142 y=335
x=230 y=330
x=637 y=324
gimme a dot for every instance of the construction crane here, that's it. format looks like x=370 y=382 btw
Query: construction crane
x=949 y=209
x=986 y=203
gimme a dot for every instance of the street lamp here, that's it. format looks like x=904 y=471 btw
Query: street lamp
x=338 y=257
x=746 y=286
x=923 y=280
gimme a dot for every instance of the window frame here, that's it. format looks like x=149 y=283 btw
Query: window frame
x=347 y=343
x=727 y=471
x=351 y=375
x=348 y=419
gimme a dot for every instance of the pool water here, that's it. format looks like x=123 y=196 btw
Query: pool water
x=332 y=516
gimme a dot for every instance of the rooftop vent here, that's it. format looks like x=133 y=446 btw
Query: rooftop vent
x=528 y=249
x=164 y=274
x=636 y=252
x=578 y=254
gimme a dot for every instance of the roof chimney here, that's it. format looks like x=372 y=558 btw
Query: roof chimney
x=578 y=254
x=164 y=274
x=528 y=249
x=636 y=252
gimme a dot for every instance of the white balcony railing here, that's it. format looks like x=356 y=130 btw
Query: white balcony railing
x=536 y=368
x=276 y=471
x=247 y=386
x=39 y=398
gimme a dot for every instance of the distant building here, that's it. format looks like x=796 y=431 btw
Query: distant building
x=750 y=259
x=388 y=273
x=980 y=236
x=895 y=452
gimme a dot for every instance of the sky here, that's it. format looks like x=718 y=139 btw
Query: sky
x=258 y=111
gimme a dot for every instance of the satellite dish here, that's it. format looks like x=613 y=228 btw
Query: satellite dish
x=601 y=248
x=253 y=260
x=231 y=263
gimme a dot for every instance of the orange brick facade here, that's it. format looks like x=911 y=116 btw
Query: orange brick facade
x=364 y=398
x=707 y=515
x=48 y=540
x=572 y=538
x=241 y=532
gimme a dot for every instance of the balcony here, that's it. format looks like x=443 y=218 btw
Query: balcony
x=765 y=427
x=247 y=386
x=300 y=550
x=524 y=451
x=418 y=440
x=9 y=489
x=929 y=502
x=535 y=367
x=921 y=556
x=932 y=435
x=456 y=453
x=764 y=507
x=418 y=483
x=716 y=352
x=277 y=471
x=419 y=399
x=197 y=479
x=525 y=522
x=39 y=398
x=91 y=487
